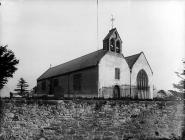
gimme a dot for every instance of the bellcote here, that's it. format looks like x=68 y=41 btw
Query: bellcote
x=112 y=42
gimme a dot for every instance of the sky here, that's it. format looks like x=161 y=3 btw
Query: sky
x=50 y=32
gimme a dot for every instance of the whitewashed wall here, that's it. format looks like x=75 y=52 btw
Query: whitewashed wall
x=140 y=64
x=107 y=79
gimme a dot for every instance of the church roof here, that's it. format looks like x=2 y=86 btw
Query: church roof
x=132 y=59
x=82 y=62
x=109 y=34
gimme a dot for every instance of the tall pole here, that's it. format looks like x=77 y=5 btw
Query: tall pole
x=130 y=83
x=97 y=25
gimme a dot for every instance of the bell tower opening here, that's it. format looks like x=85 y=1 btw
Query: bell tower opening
x=118 y=46
x=112 y=42
x=112 y=45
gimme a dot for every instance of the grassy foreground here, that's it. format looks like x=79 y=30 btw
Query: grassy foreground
x=92 y=120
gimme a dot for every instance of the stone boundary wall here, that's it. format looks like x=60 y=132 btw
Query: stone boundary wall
x=92 y=120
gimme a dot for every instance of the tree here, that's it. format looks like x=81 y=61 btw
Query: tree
x=22 y=87
x=8 y=64
x=181 y=85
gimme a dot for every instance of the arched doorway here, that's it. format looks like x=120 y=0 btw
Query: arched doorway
x=142 y=84
x=116 y=92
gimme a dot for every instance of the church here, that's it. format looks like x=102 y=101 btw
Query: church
x=105 y=73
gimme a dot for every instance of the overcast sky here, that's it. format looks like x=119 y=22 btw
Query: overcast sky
x=44 y=32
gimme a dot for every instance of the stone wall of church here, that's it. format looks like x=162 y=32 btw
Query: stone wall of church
x=89 y=83
x=107 y=80
x=62 y=87
x=140 y=64
x=40 y=90
x=65 y=86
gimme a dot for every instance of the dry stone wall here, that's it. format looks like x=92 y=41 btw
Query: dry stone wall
x=92 y=120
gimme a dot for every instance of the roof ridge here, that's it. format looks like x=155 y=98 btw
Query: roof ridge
x=112 y=29
x=109 y=33
x=132 y=59
x=134 y=54
x=76 y=58
x=87 y=60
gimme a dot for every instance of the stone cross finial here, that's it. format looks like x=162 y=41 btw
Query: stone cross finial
x=112 y=20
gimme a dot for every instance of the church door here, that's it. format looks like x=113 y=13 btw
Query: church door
x=142 y=84
x=116 y=92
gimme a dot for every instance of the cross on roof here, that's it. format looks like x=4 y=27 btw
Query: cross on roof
x=112 y=20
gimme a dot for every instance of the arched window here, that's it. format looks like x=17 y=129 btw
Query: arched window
x=142 y=80
x=112 y=45
x=118 y=46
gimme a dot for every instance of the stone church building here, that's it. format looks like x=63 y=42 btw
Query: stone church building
x=104 y=73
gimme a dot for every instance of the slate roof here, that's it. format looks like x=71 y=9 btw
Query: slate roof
x=85 y=61
x=109 y=34
x=132 y=59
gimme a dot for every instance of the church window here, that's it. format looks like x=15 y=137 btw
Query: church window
x=55 y=82
x=142 y=80
x=43 y=85
x=112 y=45
x=117 y=73
x=118 y=46
x=77 y=80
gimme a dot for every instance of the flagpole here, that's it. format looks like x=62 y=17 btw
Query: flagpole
x=97 y=25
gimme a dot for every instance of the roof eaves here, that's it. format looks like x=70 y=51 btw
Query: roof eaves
x=99 y=54
x=131 y=61
x=40 y=77
x=147 y=62
x=109 y=34
x=64 y=73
